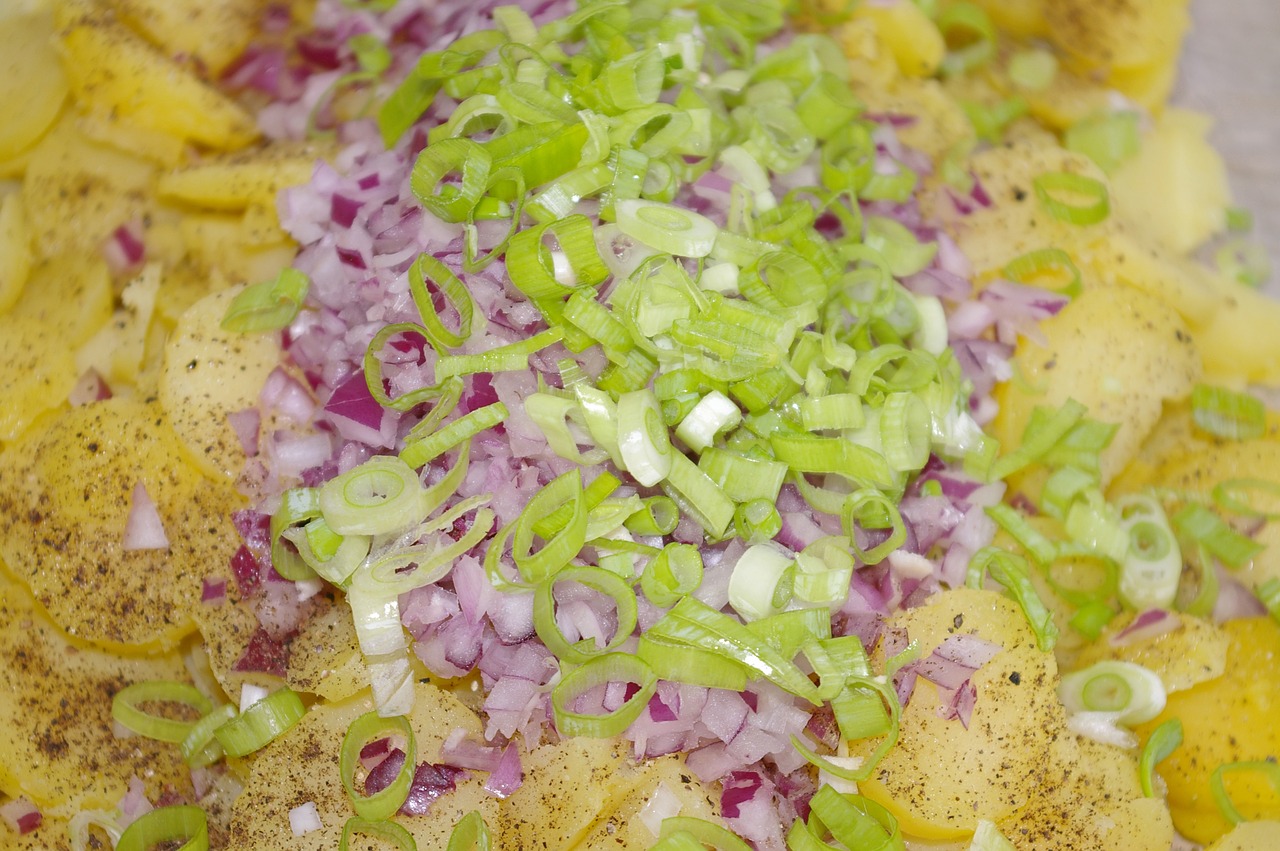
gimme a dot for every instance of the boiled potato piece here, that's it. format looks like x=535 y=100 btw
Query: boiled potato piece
x=939 y=122
x=237 y=180
x=15 y=250
x=910 y=35
x=1120 y=256
x=1249 y=836
x=69 y=294
x=119 y=349
x=56 y=742
x=1094 y=803
x=77 y=192
x=210 y=373
x=1175 y=190
x=113 y=71
x=662 y=779
x=36 y=370
x=1193 y=652
x=566 y=787
x=1228 y=719
x=1109 y=34
x=302 y=765
x=65 y=498
x=1238 y=340
x=941 y=778
x=1019 y=18
x=32 y=83
x=1140 y=355
x=214 y=33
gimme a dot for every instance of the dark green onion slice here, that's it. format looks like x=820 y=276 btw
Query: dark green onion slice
x=598 y=579
x=268 y=305
x=261 y=723
x=600 y=671
x=1011 y=571
x=471 y=833
x=385 y=831
x=127 y=711
x=1163 y=741
x=185 y=824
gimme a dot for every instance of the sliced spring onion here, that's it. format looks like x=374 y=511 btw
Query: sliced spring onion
x=422 y=450
x=1249 y=497
x=126 y=708
x=268 y=305
x=989 y=838
x=1266 y=770
x=1269 y=595
x=1226 y=414
x=1042 y=433
x=598 y=579
x=671 y=574
x=401 y=570
x=384 y=831
x=762 y=582
x=1049 y=268
x=757 y=521
x=1152 y=564
x=667 y=228
x=1073 y=198
x=564 y=544
x=1107 y=139
x=643 y=441
x=427 y=269
x=905 y=431
x=379 y=496
x=743 y=479
x=200 y=747
x=698 y=496
x=823 y=572
x=367 y=728
x=1201 y=525
x=1011 y=571
x=1162 y=742
x=451 y=202
x=185 y=824
x=1243 y=261
x=508 y=358
x=1020 y=529
x=714 y=414
x=869 y=508
x=851 y=820
x=1134 y=693
x=704 y=833
x=597 y=672
x=471 y=833
x=659 y=516
x=1033 y=69
x=261 y=723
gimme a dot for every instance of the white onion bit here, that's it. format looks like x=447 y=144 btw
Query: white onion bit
x=304 y=818
x=144 y=529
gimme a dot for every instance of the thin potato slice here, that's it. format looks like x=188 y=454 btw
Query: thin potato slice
x=302 y=766
x=36 y=370
x=65 y=498
x=56 y=742
x=208 y=374
x=32 y=83
x=235 y=181
x=661 y=780
x=215 y=33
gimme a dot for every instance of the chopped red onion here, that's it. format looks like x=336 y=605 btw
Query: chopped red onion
x=213 y=592
x=21 y=815
x=143 y=530
x=90 y=387
x=1145 y=626
x=508 y=775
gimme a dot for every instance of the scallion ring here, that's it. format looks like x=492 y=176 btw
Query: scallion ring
x=262 y=722
x=126 y=709
x=369 y=727
x=1073 y=198
x=595 y=673
x=167 y=824
x=603 y=581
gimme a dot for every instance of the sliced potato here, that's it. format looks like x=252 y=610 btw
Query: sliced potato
x=214 y=33
x=69 y=294
x=113 y=71
x=36 y=370
x=56 y=742
x=661 y=780
x=15 y=250
x=302 y=765
x=1193 y=652
x=65 y=498
x=32 y=83
x=210 y=373
x=237 y=180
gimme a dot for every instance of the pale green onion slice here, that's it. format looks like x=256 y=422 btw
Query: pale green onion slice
x=1020 y=529
x=422 y=450
x=598 y=579
x=297 y=506
x=1269 y=595
x=824 y=570
x=1224 y=413
x=667 y=228
x=899 y=247
x=757 y=521
x=331 y=556
x=1042 y=433
x=659 y=516
x=671 y=574
x=714 y=414
x=762 y=581
x=379 y=496
x=1073 y=198
x=471 y=833
x=597 y=672
x=1152 y=565
x=852 y=821
x=593 y=496
x=872 y=509
x=1033 y=69
x=643 y=441
x=743 y=479
x=697 y=495
x=1107 y=139
x=1249 y=497
x=1132 y=693
x=563 y=545
x=905 y=425
x=989 y=838
x=127 y=711
x=1243 y=261
x=1011 y=572
x=367 y=728
x=456 y=295
x=790 y=631
x=1164 y=740
x=978 y=42
x=540 y=272
x=508 y=358
x=384 y=831
x=1049 y=268
x=269 y=305
x=375 y=613
x=201 y=747
x=1197 y=523
x=451 y=202
x=1092 y=618
x=261 y=723
x=704 y=833
x=402 y=570
x=1269 y=771
x=167 y=824
x=78 y=828
x=677 y=661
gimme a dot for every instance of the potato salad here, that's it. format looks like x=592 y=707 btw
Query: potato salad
x=629 y=424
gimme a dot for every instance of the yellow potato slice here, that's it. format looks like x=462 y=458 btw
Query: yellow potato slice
x=665 y=779
x=57 y=747
x=36 y=370
x=1191 y=653
x=70 y=294
x=302 y=765
x=210 y=373
x=237 y=180
x=113 y=71
x=215 y=33
x=32 y=83
x=65 y=498
x=15 y=250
